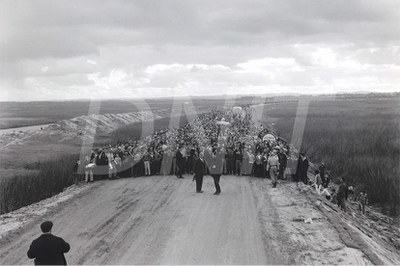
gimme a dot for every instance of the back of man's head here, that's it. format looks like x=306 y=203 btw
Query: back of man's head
x=46 y=226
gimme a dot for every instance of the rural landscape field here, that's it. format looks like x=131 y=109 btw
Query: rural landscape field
x=229 y=132
x=356 y=136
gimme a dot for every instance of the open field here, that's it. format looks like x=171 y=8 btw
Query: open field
x=161 y=220
x=72 y=117
x=18 y=114
x=358 y=137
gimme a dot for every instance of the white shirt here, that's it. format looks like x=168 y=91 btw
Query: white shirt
x=273 y=161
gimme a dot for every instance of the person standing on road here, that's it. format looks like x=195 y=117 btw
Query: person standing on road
x=88 y=166
x=272 y=167
x=179 y=163
x=48 y=249
x=238 y=155
x=252 y=158
x=146 y=159
x=258 y=164
x=302 y=169
x=282 y=163
x=216 y=168
x=199 y=169
x=230 y=161
x=185 y=157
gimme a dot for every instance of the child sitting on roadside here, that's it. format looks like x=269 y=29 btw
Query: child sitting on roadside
x=325 y=192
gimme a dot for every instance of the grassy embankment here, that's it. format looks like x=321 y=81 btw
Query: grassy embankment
x=357 y=138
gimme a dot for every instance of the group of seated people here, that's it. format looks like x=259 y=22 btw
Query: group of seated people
x=321 y=183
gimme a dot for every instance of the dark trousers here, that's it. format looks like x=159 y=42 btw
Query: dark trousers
x=361 y=207
x=230 y=166
x=216 y=183
x=281 y=172
x=180 y=164
x=238 y=165
x=342 y=203
x=258 y=168
x=199 y=182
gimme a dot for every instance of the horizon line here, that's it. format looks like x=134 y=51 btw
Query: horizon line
x=232 y=96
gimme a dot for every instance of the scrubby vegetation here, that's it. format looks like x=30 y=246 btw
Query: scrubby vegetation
x=43 y=180
x=357 y=138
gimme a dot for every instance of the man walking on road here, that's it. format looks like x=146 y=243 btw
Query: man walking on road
x=199 y=168
x=48 y=249
x=272 y=167
x=216 y=168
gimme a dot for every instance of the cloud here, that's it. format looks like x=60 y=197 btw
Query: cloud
x=65 y=47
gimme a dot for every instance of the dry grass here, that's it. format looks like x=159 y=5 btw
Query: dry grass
x=357 y=139
x=29 y=186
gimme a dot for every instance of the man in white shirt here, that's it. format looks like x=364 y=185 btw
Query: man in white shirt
x=272 y=167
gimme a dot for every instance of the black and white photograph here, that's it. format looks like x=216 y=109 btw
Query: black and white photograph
x=199 y=132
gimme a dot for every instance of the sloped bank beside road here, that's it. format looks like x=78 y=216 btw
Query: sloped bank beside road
x=68 y=136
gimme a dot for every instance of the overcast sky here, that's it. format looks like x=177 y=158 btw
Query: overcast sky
x=116 y=49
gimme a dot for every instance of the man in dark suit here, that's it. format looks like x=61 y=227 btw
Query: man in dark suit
x=179 y=162
x=199 y=169
x=238 y=155
x=302 y=169
x=48 y=249
x=216 y=168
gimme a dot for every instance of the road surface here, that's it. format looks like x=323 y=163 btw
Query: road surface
x=161 y=220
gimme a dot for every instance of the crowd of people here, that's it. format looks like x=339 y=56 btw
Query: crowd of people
x=217 y=143
x=173 y=151
x=230 y=143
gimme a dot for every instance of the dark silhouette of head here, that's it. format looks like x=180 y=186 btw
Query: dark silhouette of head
x=46 y=226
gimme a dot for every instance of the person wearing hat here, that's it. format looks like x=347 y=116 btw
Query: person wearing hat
x=48 y=249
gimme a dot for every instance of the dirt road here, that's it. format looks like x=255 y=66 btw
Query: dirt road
x=161 y=220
